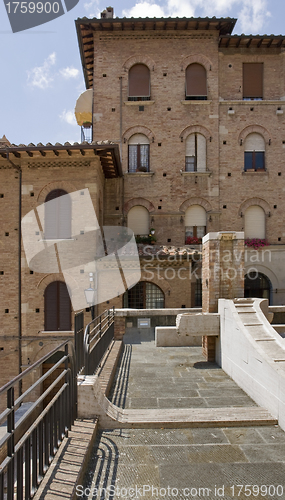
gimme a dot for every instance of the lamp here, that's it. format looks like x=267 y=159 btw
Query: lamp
x=90 y=292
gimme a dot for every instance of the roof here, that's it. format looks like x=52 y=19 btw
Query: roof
x=108 y=153
x=252 y=41
x=86 y=27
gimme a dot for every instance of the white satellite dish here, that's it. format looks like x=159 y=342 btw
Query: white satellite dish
x=83 y=108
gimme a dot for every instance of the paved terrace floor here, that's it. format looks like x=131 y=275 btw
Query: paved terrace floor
x=183 y=463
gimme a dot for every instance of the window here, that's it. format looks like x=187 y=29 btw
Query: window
x=253 y=81
x=254 y=224
x=138 y=220
x=254 y=152
x=195 y=224
x=139 y=83
x=257 y=285
x=57 y=215
x=144 y=295
x=57 y=307
x=196 y=82
x=138 y=153
x=195 y=159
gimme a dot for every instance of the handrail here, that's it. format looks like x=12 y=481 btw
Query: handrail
x=98 y=328
x=19 y=377
x=31 y=443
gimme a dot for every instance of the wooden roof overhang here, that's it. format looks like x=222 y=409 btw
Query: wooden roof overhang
x=86 y=27
x=108 y=153
x=252 y=41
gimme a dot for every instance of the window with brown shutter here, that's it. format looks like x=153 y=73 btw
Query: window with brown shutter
x=252 y=81
x=57 y=307
x=196 y=82
x=139 y=83
x=57 y=215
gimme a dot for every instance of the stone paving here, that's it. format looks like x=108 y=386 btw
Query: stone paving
x=182 y=463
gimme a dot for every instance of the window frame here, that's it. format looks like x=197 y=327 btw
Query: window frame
x=253 y=161
x=260 y=83
x=196 y=97
x=142 y=295
x=140 y=97
x=138 y=167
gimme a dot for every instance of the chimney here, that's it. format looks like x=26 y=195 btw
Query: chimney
x=108 y=13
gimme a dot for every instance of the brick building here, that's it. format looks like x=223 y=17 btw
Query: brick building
x=198 y=114
x=193 y=119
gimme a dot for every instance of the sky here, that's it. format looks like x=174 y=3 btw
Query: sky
x=41 y=73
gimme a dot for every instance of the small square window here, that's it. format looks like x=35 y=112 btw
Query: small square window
x=31 y=272
x=141 y=108
x=6 y=311
x=37 y=310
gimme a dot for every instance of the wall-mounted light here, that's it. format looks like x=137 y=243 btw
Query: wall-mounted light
x=168 y=292
x=210 y=139
x=152 y=220
x=210 y=218
x=207 y=283
x=181 y=219
x=125 y=140
x=153 y=139
x=241 y=214
x=240 y=142
x=181 y=139
x=269 y=142
x=269 y=214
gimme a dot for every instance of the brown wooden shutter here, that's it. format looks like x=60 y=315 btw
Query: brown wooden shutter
x=139 y=81
x=57 y=307
x=196 y=80
x=253 y=80
x=58 y=215
x=51 y=307
x=64 y=322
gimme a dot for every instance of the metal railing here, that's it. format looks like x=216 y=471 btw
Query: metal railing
x=97 y=337
x=78 y=340
x=31 y=443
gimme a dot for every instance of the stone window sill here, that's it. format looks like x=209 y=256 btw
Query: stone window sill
x=194 y=102
x=140 y=174
x=208 y=173
x=139 y=103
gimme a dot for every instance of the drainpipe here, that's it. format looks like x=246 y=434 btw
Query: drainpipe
x=19 y=170
x=121 y=144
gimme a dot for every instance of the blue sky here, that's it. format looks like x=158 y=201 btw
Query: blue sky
x=41 y=75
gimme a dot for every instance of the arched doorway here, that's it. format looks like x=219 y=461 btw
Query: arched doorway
x=257 y=285
x=144 y=295
x=57 y=307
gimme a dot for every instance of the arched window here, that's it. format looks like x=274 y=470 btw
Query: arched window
x=254 y=152
x=195 y=224
x=144 y=295
x=138 y=153
x=257 y=285
x=57 y=215
x=138 y=220
x=139 y=83
x=195 y=158
x=196 y=82
x=254 y=224
x=57 y=307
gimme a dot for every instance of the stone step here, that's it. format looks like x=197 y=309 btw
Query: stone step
x=192 y=417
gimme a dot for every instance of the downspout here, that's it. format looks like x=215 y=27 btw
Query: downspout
x=121 y=144
x=18 y=168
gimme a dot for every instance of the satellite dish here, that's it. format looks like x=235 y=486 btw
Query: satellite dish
x=83 y=108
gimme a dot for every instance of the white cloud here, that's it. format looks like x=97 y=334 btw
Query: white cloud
x=252 y=14
x=41 y=76
x=69 y=72
x=68 y=117
x=92 y=8
x=143 y=9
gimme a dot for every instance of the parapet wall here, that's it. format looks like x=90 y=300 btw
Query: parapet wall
x=252 y=353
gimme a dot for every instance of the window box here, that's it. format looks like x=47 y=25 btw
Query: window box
x=193 y=240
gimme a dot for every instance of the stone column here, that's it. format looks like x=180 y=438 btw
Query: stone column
x=222 y=275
